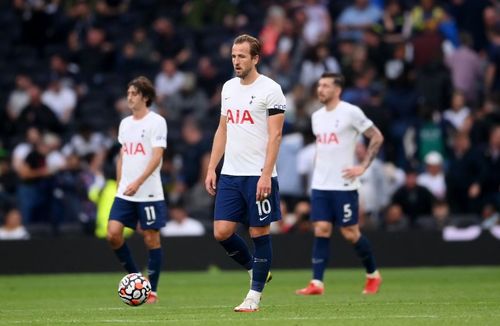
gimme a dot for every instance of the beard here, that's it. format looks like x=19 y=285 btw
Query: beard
x=324 y=99
x=242 y=73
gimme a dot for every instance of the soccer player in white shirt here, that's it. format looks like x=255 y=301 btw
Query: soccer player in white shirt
x=334 y=197
x=139 y=200
x=249 y=135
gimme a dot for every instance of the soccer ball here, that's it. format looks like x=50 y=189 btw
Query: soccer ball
x=134 y=289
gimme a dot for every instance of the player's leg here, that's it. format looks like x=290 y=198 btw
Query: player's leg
x=260 y=215
x=321 y=215
x=235 y=246
x=152 y=217
x=153 y=244
x=122 y=214
x=229 y=210
x=348 y=203
x=119 y=246
x=364 y=251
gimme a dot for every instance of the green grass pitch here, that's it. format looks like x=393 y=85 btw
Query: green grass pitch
x=409 y=296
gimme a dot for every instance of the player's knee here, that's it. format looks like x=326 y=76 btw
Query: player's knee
x=114 y=239
x=322 y=230
x=351 y=235
x=221 y=235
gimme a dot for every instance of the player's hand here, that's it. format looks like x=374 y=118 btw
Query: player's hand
x=353 y=172
x=263 y=188
x=132 y=188
x=211 y=182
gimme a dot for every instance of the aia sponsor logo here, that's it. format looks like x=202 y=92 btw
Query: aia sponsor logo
x=327 y=138
x=239 y=116
x=133 y=149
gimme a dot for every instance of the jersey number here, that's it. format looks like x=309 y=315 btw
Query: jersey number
x=150 y=214
x=264 y=206
x=347 y=213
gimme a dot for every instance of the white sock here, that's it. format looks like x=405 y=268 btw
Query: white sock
x=375 y=274
x=254 y=295
x=317 y=283
x=250 y=271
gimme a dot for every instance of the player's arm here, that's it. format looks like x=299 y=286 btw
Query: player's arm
x=274 y=129
x=152 y=165
x=218 y=148
x=375 y=141
x=119 y=167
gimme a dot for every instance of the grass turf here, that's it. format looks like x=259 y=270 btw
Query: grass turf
x=409 y=296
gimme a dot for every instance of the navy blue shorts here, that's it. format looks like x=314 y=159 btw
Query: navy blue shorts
x=341 y=207
x=235 y=201
x=151 y=215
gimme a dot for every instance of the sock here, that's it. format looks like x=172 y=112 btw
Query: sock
x=261 y=261
x=237 y=249
x=125 y=258
x=364 y=250
x=321 y=252
x=154 y=267
x=254 y=295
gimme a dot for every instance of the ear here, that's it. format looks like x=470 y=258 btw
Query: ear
x=256 y=59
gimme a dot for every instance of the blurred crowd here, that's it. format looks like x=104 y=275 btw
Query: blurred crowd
x=427 y=72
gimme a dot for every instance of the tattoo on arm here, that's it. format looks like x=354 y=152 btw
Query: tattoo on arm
x=376 y=140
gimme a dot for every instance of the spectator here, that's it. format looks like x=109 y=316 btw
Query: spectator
x=67 y=74
x=414 y=199
x=356 y=18
x=37 y=114
x=290 y=181
x=61 y=100
x=169 y=43
x=272 y=29
x=466 y=68
x=373 y=192
x=489 y=186
x=458 y=113
x=169 y=81
x=181 y=224
x=464 y=168
x=8 y=182
x=35 y=189
x=90 y=145
x=19 y=98
x=433 y=177
x=490 y=216
x=395 y=23
x=394 y=219
x=12 y=228
x=318 y=24
x=187 y=100
x=319 y=61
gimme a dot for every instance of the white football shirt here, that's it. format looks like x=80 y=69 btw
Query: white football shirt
x=138 y=138
x=336 y=134
x=246 y=110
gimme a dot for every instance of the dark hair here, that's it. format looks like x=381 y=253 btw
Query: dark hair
x=338 y=79
x=145 y=87
x=254 y=43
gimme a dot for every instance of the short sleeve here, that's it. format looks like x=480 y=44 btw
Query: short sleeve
x=276 y=99
x=223 y=101
x=120 y=131
x=359 y=120
x=159 y=133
